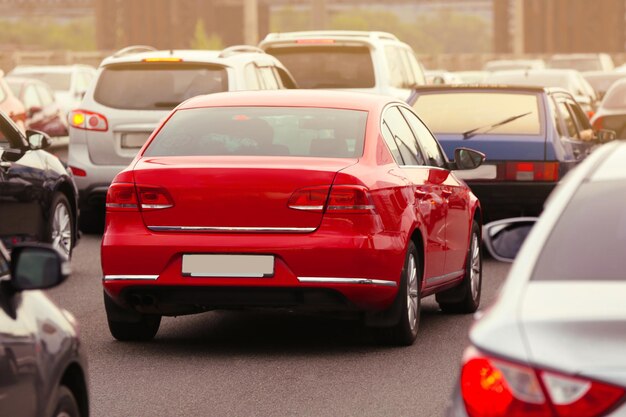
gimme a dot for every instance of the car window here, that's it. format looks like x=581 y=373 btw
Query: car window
x=599 y=256
x=459 y=112
x=582 y=121
x=326 y=66
x=268 y=78
x=252 y=77
x=568 y=119
x=418 y=72
x=30 y=97
x=157 y=86
x=80 y=83
x=45 y=95
x=275 y=131
x=285 y=78
x=403 y=138
x=409 y=78
x=555 y=116
x=391 y=143
x=429 y=144
x=4 y=262
x=9 y=135
x=616 y=96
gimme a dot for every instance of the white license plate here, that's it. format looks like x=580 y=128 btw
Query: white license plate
x=242 y=266
x=483 y=172
x=134 y=140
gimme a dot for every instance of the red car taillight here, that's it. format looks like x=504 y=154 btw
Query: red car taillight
x=341 y=199
x=129 y=197
x=598 y=124
x=531 y=171
x=493 y=387
x=88 y=120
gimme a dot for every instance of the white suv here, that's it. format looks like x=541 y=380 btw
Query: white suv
x=374 y=62
x=135 y=89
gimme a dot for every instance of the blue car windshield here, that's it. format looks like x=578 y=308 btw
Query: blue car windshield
x=460 y=112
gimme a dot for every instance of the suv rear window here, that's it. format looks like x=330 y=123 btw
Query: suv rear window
x=456 y=113
x=328 y=66
x=588 y=241
x=268 y=131
x=152 y=86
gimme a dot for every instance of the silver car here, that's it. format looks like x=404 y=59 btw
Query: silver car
x=554 y=342
x=135 y=89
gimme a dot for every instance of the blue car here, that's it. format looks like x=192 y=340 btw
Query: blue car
x=531 y=136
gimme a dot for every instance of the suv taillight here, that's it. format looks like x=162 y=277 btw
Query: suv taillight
x=493 y=387
x=130 y=197
x=88 y=120
x=531 y=171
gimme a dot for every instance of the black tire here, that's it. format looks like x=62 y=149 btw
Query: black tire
x=91 y=221
x=463 y=299
x=65 y=241
x=404 y=332
x=66 y=404
x=129 y=325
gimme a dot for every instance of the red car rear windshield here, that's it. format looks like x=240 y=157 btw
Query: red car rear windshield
x=328 y=66
x=269 y=131
x=157 y=86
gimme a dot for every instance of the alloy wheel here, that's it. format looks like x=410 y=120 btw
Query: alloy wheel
x=412 y=302
x=475 y=266
x=61 y=232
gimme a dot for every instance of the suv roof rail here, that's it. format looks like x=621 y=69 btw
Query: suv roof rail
x=238 y=49
x=133 y=49
x=321 y=33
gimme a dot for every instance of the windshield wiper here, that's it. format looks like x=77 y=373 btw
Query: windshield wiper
x=473 y=132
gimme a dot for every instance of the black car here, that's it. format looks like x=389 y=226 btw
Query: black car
x=42 y=365
x=38 y=197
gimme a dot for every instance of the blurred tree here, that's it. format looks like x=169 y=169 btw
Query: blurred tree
x=42 y=33
x=444 y=32
x=202 y=41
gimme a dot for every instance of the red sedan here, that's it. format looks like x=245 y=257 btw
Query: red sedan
x=305 y=200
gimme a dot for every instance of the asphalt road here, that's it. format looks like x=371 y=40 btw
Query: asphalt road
x=264 y=364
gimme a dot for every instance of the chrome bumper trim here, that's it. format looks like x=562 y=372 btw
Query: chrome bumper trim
x=232 y=229
x=130 y=277
x=335 y=280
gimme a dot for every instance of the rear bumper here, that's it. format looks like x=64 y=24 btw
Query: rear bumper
x=322 y=270
x=511 y=199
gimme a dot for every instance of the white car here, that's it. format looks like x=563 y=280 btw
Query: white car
x=371 y=62
x=69 y=82
x=134 y=90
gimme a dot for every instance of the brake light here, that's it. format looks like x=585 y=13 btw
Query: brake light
x=315 y=41
x=128 y=197
x=121 y=197
x=154 y=198
x=531 y=171
x=350 y=198
x=496 y=388
x=168 y=59
x=78 y=172
x=309 y=199
x=598 y=124
x=87 y=120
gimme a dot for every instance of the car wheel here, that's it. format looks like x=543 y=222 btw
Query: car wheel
x=60 y=229
x=465 y=298
x=130 y=326
x=66 y=405
x=408 y=302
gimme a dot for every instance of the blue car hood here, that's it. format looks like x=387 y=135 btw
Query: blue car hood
x=497 y=147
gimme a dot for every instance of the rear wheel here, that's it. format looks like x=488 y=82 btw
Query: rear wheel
x=404 y=332
x=127 y=325
x=60 y=228
x=465 y=298
x=66 y=405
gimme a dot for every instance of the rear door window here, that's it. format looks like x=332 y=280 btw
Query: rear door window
x=396 y=67
x=31 y=98
x=337 y=66
x=157 y=86
x=588 y=241
x=268 y=77
x=402 y=138
x=429 y=144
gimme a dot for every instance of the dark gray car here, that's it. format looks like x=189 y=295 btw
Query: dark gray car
x=554 y=343
x=42 y=366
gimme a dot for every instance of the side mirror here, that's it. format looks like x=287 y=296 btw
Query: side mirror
x=504 y=238
x=37 y=267
x=605 y=135
x=465 y=158
x=34 y=110
x=37 y=140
